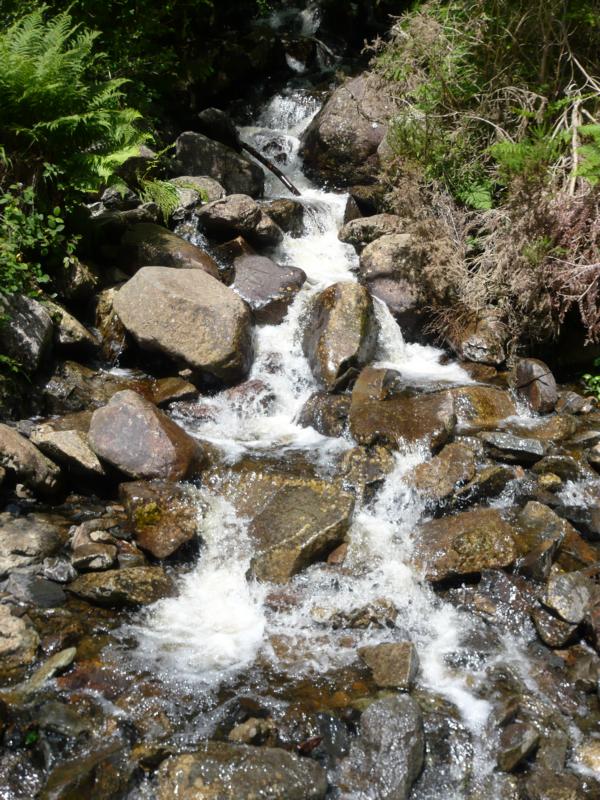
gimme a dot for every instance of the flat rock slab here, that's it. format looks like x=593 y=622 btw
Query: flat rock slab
x=301 y=523
x=140 y=441
x=70 y=449
x=267 y=288
x=129 y=587
x=222 y=771
x=513 y=449
x=149 y=245
x=394 y=665
x=189 y=317
x=464 y=544
x=377 y=417
x=481 y=408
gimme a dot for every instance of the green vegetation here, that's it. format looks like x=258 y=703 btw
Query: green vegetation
x=591 y=381
x=499 y=127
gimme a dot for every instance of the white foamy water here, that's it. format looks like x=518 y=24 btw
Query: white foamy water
x=219 y=624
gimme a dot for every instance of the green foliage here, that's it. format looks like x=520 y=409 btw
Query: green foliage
x=163 y=193
x=528 y=158
x=591 y=381
x=589 y=153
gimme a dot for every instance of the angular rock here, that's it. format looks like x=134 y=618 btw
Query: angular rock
x=94 y=557
x=394 y=665
x=71 y=450
x=77 y=281
x=377 y=415
x=517 y=741
x=196 y=154
x=438 y=478
x=18 y=641
x=340 y=336
x=207 y=189
x=163 y=515
x=552 y=631
x=488 y=482
x=189 y=317
x=300 y=524
x=267 y=288
x=340 y=145
x=26 y=542
x=129 y=587
x=513 y=449
x=111 y=329
x=27 y=337
x=103 y=774
x=18 y=455
x=149 y=245
x=363 y=470
x=481 y=408
x=288 y=214
x=387 y=757
x=566 y=467
x=361 y=232
x=464 y=544
x=239 y=215
x=534 y=381
x=70 y=335
x=223 y=771
x=483 y=340
x=171 y=390
x=569 y=596
x=326 y=413
x=402 y=298
x=140 y=441
x=545 y=784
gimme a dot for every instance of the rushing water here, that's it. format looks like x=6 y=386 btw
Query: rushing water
x=219 y=629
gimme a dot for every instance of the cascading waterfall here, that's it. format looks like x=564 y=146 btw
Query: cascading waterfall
x=219 y=627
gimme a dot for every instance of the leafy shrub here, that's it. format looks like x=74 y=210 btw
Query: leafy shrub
x=591 y=381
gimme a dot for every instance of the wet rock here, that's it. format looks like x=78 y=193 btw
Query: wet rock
x=26 y=542
x=556 y=428
x=588 y=755
x=363 y=470
x=378 y=415
x=18 y=641
x=94 y=557
x=35 y=591
x=300 y=524
x=149 y=245
x=570 y=596
x=481 y=408
x=129 y=587
x=340 y=145
x=206 y=189
x=513 y=449
x=517 y=742
x=111 y=329
x=488 y=482
x=549 y=482
x=326 y=413
x=266 y=287
x=593 y=457
x=171 y=390
x=190 y=318
x=394 y=665
x=544 y=784
x=239 y=215
x=104 y=774
x=288 y=214
x=573 y=403
x=28 y=337
x=240 y=772
x=379 y=614
x=340 y=336
x=464 y=544
x=387 y=757
x=540 y=534
x=351 y=211
x=196 y=154
x=71 y=450
x=552 y=631
x=534 y=381
x=438 y=478
x=566 y=467
x=256 y=730
x=163 y=515
x=140 y=441
x=31 y=467
x=402 y=299
x=482 y=340
x=361 y=232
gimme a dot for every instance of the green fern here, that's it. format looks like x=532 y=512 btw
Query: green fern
x=589 y=152
x=163 y=193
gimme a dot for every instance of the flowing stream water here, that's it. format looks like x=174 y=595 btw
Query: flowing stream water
x=220 y=631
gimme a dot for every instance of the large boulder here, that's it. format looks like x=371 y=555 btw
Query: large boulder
x=26 y=336
x=189 y=317
x=464 y=544
x=340 y=336
x=31 y=467
x=128 y=587
x=239 y=215
x=25 y=542
x=378 y=414
x=341 y=143
x=222 y=771
x=481 y=408
x=140 y=441
x=266 y=287
x=150 y=245
x=535 y=382
x=387 y=756
x=196 y=154
x=364 y=230
x=301 y=523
